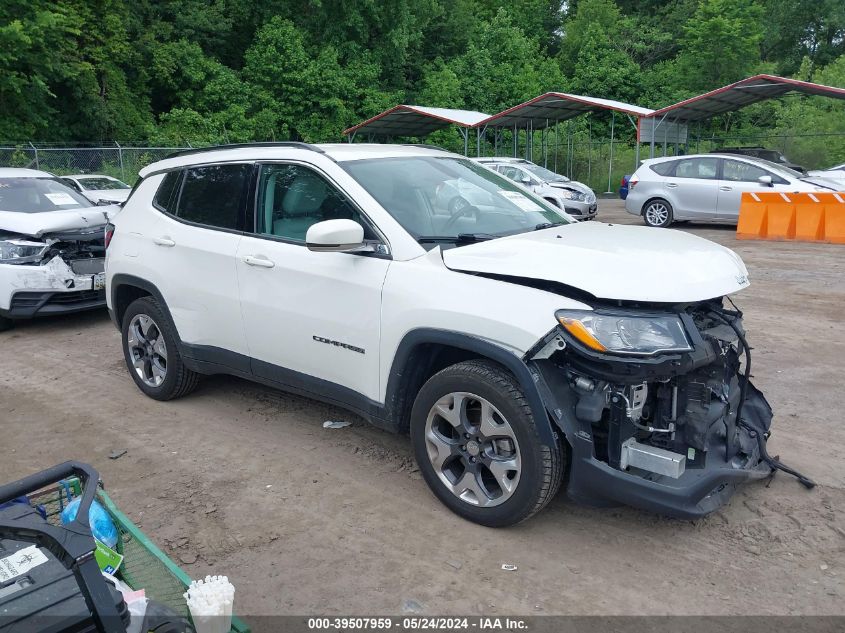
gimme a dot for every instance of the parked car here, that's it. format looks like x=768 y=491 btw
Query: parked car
x=576 y=198
x=51 y=247
x=836 y=174
x=514 y=344
x=771 y=155
x=623 y=186
x=707 y=187
x=99 y=189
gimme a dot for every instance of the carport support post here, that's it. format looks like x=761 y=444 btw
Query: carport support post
x=465 y=134
x=515 y=141
x=557 y=124
x=610 y=161
x=120 y=158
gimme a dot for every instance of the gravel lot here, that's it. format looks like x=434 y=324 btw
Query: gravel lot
x=242 y=480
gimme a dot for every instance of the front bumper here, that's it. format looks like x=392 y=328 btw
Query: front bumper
x=54 y=288
x=581 y=210
x=597 y=430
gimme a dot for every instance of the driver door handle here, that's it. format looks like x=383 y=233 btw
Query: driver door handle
x=258 y=260
x=725 y=188
x=671 y=185
x=164 y=241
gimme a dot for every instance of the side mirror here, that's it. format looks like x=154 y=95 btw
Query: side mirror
x=766 y=181
x=526 y=180
x=337 y=236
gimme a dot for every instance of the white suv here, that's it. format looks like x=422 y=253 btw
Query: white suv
x=515 y=345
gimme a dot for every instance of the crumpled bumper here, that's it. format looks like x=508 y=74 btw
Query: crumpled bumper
x=53 y=288
x=696 y=493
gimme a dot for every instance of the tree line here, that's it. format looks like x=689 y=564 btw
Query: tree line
x=236 y=70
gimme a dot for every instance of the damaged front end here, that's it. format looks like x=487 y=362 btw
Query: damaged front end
x=55 y=273
x=656 y=405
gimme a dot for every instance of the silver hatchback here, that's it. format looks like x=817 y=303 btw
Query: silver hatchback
x=707 y=187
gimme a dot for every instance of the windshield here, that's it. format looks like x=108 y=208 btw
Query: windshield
x=448 y=198
x=543 y=174
x=102 y=183
x=780 y=168
x=35 y=195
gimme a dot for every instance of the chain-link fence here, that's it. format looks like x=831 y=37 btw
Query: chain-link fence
x=118 y=161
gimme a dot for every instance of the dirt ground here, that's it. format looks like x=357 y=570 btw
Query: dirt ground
x=242 y=480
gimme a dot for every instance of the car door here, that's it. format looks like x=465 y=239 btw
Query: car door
x=692 y=188
x=738 y=177
x=193 y=246
x=312 y=319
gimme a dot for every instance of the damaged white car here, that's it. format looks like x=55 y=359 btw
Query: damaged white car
x=521 y=350
x=52 y=247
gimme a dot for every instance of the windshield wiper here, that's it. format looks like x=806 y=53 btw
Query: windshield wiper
x=547 y=225
x=460 y=238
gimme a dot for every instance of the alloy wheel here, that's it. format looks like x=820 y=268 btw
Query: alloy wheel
x=147 y=350
x=657 y=213
x=473 y=449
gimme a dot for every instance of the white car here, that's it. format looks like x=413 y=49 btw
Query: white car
x=707 y=187
x=835 y=174
x=574 y=197
x=52 y=247
x=99 y=189
x=514 y=344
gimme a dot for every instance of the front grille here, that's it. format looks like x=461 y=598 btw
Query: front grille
x=23 y=300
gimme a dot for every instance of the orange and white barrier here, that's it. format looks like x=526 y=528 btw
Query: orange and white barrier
x=807 y=217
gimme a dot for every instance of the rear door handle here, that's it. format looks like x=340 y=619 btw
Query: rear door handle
x=164 y=241
x=258 y=260
x=725 y=188
x=671 y=185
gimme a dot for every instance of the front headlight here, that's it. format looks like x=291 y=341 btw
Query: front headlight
x=21 y=251
x=569 y=194
x=625 y=334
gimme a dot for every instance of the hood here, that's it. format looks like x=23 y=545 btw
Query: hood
x=627 y=263
x=113 y=195
x=824 y=181
x=37 y=224
x=570 y=184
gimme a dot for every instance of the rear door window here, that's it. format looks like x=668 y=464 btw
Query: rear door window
x=702 y=168
x=215 y=196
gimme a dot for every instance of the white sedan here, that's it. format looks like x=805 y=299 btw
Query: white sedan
x=99 y=189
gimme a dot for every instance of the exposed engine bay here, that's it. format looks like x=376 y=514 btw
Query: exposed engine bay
x=81 y=251
x=676 y=419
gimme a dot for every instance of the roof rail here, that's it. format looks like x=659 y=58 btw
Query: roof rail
x=426 y=146
x=213 y=148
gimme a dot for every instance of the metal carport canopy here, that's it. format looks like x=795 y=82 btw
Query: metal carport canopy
x=740 y=94
x=551 y=107
x=412 y=120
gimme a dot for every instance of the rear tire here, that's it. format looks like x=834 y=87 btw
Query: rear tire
x=658 y=213
x=152 y=354
x=478 y=447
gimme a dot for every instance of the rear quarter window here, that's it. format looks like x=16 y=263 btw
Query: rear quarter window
x=168 y=192
x=664 y=169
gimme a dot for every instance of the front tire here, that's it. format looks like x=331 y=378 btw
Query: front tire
x=152 y=354
x=658 y=213
x=478 y=448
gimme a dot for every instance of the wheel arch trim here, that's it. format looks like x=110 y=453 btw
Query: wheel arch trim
x=414 y=339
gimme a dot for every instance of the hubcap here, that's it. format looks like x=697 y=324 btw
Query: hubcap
x=657 y=213
x=147 y=350
x=473 y=449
